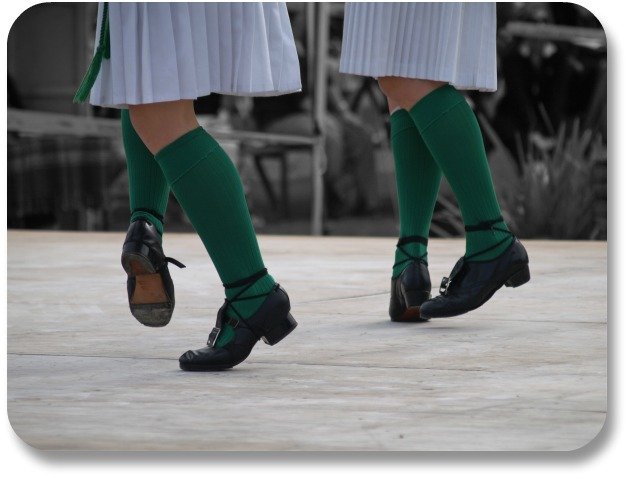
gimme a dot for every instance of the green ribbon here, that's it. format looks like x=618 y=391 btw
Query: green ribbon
x=102 y=51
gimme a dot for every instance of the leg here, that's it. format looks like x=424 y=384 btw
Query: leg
x=148 y=189
x=494 y=257
x=149 y=285
x=208 y=188
x=418 y=180
x=405 y=92
x=159 y=124
x=450 y=130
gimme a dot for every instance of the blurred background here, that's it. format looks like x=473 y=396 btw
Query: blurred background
x=319 y=161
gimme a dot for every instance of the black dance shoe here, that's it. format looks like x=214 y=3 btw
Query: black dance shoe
x=411 y=288
x=473 y=283
x=149 y=285
x=272 y=322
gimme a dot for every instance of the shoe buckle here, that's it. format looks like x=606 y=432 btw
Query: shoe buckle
x=213 y=335
x=447 y=281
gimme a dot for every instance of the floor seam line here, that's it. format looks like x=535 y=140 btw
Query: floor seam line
x=271 y=363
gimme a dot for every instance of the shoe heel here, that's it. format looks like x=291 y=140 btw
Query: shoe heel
x=134 y=259
x=135 y=265
x=519 y=278
x=280 y=330
x=415 y=298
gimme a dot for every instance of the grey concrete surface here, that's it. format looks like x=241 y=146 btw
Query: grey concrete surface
x=525 y=372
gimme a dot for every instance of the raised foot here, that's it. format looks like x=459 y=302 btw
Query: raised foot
x=272 y=322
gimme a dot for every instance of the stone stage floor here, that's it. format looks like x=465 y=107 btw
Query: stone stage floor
x=525 y=372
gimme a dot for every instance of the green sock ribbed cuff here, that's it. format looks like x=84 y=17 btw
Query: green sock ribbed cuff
x=185 y=149
x=400 y=121
x=433 y=105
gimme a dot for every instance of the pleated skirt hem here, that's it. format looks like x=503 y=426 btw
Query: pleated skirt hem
x=124 y=103
x=402 y=72
x=450 y=42
x=172 y=51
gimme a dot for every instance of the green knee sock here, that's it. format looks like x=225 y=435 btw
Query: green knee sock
x=452 y=134
x=418 y=181
x=208 y=188
x=148 y=189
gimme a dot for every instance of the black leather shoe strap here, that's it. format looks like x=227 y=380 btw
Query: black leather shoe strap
x=486 y=225
x=511 y=237
x=245 y=281
x=222 y=320
x=174 y=262
x=409 y=257
x=152 y=212
x=232 y=321
x=447 y=281
x=412 y=239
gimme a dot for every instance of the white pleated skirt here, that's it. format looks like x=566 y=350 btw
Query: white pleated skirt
x=171 y=51
x=451 y=42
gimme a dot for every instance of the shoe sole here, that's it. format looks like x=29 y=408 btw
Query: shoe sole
x=516 y=279
x=149 y=304
x=271 y=338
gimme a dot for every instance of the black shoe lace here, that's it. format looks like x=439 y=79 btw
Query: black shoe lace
x=482 y=226
x=409 y=257
x=152 y=212
x=159 y=217
x=234 y=322
x=174 y=262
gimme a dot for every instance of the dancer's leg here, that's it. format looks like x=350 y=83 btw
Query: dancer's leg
x=418 y=180
x=148 y=189
x=208 y=188
x=494 y=257
x=451 y=132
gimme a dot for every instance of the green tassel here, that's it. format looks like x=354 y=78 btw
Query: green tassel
x=102 y=51
x=90 y=77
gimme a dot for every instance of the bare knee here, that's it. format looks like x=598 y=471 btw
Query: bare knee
x=393 y=105
x=389 y=86
x=158 y=124
x=405 y=92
